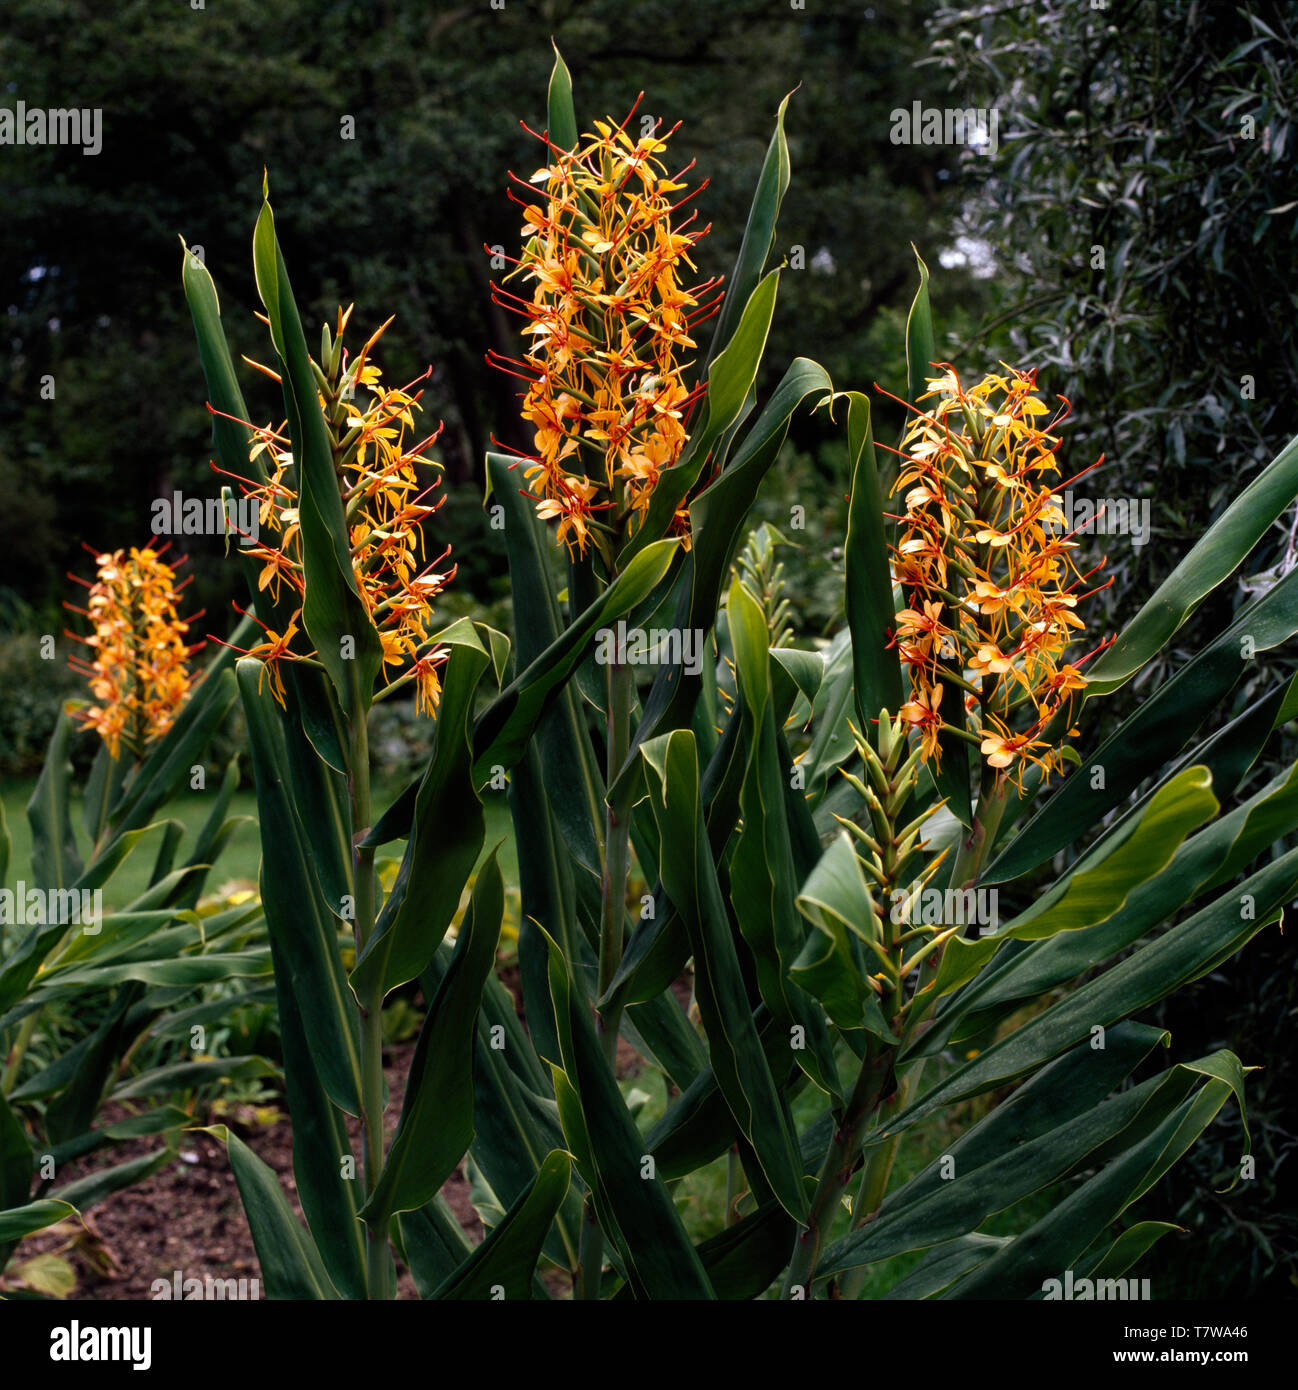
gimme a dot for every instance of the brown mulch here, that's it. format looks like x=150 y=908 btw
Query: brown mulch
x=188 y=1216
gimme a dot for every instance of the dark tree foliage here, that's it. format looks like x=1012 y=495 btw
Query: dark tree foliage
x=1142 y=217
x=197 y=102
x=1142 y=221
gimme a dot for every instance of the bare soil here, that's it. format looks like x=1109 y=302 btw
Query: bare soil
x=188 y=1216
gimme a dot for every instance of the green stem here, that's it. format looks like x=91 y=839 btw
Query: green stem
x=617 y=848
x=836 y=1171
x=993 y=797
x=875 y=1177
x=590 y=1254
x=377 y=1260
x=617 y=852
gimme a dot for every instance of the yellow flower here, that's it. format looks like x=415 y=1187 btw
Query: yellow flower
x=140 y=673
x=981 y=540
x=378 y=465
x=924 y=714
x=607 y=322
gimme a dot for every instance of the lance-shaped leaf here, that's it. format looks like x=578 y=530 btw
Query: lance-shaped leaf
x=55 y=860
x=95 y=1187
x=1203 y=862
x=17 y=1222
x=15 y=1159
x=1154 y=732
x=303 y=925
x=432 y=1243
x=975 y=1191
x=71 y=1111
x=1113 y=1260
x=178 y=1076
x=635 y=1210
x=503 y=731
x=1097 y=887
x=161 y=1119
x=515 y=1119
x=187 y=970
x=831 y=720
x=920 y=349
x=1212 y=559
x=1187 y=951
x=744 y=1259
x=291 y=1267
x=658 y=948
x=332 y=612
x=759 y=238
x=1228 y=753
x=561 y=124
x=320 y=1143
x=944 y=1264
x=836 y=962
x=231 y=434
x=504 y=1265
x=215 y=832
x=446 y=834
x=1054 y=1096
x=571 y=771
x=689 y=878
x=870 y=615
x=763 y=877
x=436 y=1125
x=1047 y=1249
x=547 y=892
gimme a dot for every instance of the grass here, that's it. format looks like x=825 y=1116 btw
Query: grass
x=242 y=857
x=190 y=808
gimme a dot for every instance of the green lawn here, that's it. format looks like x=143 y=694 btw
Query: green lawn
x=242 y=855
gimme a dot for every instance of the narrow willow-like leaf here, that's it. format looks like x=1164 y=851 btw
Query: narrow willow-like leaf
x=635 y=1210
x=689 y=877
x=304 y=926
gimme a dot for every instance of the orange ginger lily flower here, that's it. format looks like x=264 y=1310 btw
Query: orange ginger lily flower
x=922 y=712
x=607 y=322
x=383 y=498
x=140 y=674
x=980 y=532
